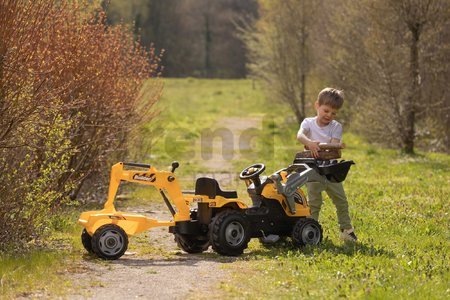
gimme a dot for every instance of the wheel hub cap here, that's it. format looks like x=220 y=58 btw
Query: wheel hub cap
x=111 y=242
x=234 y=233
x=311 y=234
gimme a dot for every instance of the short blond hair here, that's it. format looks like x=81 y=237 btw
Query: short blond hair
x=332 y=97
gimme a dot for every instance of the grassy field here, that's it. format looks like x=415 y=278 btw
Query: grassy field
x=399 y=207
x=39 y=272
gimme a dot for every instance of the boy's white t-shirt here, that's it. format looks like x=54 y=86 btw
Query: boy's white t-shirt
x=322 y=134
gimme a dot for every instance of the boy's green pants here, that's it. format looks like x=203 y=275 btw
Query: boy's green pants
x=335 y=190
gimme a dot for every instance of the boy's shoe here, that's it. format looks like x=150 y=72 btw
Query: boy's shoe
x=270 y=239
x=348 y=235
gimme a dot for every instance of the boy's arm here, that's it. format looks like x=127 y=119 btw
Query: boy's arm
x=310 y=144
x=336 y=136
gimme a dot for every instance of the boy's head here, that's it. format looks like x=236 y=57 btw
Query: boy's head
x=331 y=97
x=327 y=105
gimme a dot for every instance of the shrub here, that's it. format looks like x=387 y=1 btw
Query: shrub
x=70 y=93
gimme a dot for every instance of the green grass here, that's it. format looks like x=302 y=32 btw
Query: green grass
x=30 y=272
x=399 y=206
x=40 y=272
x=190 y=106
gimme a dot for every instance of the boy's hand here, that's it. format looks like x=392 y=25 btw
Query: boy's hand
x=314 y=147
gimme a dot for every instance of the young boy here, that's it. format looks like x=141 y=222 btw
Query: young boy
x=324 y=129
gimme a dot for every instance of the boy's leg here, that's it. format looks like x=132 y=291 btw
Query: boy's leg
x=337 y=194
x=315 y=198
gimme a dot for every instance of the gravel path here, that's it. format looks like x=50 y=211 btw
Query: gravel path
x=154 y=268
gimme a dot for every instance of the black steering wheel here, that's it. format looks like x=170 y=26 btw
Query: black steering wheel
x=252 y=172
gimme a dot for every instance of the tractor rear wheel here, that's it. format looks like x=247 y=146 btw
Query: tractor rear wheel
x=109 y=242
x=307 y=232
x=191 y=244
x=229 y=233
x=86 y=240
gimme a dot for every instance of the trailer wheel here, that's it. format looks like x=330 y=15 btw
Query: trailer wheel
x=307 y=232
x=109 y=242
x=229 y=233
x=86 y=240
x=191 y=244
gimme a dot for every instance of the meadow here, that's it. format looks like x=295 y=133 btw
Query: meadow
x=399 y=206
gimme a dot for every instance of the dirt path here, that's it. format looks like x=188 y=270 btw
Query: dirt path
x=154 y=267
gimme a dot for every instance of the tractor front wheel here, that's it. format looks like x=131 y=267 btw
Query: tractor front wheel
x=229 y=233
x=109 y=242
x=191 y=244
x=307 y=232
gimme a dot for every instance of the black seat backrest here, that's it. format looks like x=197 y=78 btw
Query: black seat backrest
x=210 y=187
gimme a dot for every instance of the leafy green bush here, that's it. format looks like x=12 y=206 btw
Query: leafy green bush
x=70 y=94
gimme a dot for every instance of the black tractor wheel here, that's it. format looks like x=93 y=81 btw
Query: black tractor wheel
x=191 y=244
x=229 y=233
x=109 y=242
x=307 y=232
x=86 y=240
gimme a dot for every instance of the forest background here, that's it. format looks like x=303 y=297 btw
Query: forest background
x=390 y=57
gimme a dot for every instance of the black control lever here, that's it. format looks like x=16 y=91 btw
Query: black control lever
x=175 y=165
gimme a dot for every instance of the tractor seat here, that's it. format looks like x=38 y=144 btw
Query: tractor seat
x=210 y=187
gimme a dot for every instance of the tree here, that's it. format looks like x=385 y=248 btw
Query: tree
x=198 y=36
x=415 y=14
x=280 y=50
x=380 y=60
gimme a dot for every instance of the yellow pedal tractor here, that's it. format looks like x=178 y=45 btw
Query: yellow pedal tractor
x=208 y=215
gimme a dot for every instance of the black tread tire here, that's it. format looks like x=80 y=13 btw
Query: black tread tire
x=218 y=228
x=191 y=244
x=86 y=240
x=307 y=232
x=118 y=235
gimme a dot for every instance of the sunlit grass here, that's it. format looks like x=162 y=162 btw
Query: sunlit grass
x=41 y=271
x=34 y=271
x=399 y=207
x=398 y=204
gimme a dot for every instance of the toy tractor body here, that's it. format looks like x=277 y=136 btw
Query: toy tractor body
x=208 y=215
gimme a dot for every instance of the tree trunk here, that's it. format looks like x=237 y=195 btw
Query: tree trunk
x=303 y=62
x=208 y=72
x=302 y=94
x=414 y=94
x=298 y=114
